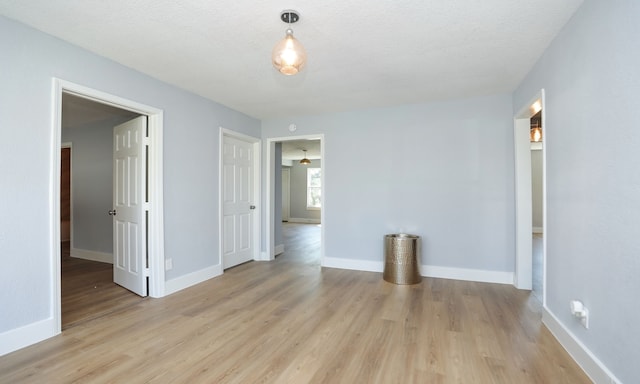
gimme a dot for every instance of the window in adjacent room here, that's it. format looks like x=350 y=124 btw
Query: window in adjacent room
x=313 y=188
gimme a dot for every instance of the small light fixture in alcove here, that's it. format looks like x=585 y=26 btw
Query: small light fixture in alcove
x=536 y=134
x=304 y=160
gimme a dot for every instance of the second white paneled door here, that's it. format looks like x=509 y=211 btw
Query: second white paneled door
x=238 y=205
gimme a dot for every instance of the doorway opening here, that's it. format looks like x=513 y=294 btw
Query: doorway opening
x=154 y=208
x=537 y=131
x=295 y=196
x=87 y=258
x=530 y=199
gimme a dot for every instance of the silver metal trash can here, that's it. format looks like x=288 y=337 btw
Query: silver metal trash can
x=401 y=259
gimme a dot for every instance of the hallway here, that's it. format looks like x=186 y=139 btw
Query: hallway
x=301 y=243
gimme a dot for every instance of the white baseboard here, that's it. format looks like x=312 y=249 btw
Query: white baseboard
x=191 y=279
x=478 y=275
x=538 y=230
x=353 y=264
x=91 y=255
x=279 y=249
x=304 y=221
x=589 y=363
x=18 y=338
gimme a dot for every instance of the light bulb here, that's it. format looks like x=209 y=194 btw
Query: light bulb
x=289 y=56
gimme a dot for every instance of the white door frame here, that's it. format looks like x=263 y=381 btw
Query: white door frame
x=523 y=198
x=155 y=168
x=257 y=187
x=270 y=192
x=286 y=202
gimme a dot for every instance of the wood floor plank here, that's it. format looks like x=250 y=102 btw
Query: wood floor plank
x=291 y=321
x=88 y=290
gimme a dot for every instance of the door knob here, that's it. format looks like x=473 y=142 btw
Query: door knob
x=252 y=207
x=112 y=212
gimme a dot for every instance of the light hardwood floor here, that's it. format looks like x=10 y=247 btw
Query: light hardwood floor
x=88 y=290
x=289 y=321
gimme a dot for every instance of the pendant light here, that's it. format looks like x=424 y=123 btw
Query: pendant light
x=304 y=160
x=289 y=56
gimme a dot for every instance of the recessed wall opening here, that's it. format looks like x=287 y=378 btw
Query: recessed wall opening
x=529 y=138
x=537 y=215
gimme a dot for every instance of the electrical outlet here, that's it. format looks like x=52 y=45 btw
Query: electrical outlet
x=585 y=318
x=580 y=311
x=168 y=264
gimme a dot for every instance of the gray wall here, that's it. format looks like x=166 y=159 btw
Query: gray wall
x=298 y=192
x=444 y=171
x=592 y=87
x=536 y=188
x=92 y=184
x=30 y=59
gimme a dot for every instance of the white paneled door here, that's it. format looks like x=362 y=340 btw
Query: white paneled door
x=129 y=205
x=238 y=206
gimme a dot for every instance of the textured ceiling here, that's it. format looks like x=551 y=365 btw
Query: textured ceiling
x=361 y=54
x=294 y=149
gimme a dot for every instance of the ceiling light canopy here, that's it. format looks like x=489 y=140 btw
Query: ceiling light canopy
x=289 y=56
x=304 y=160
